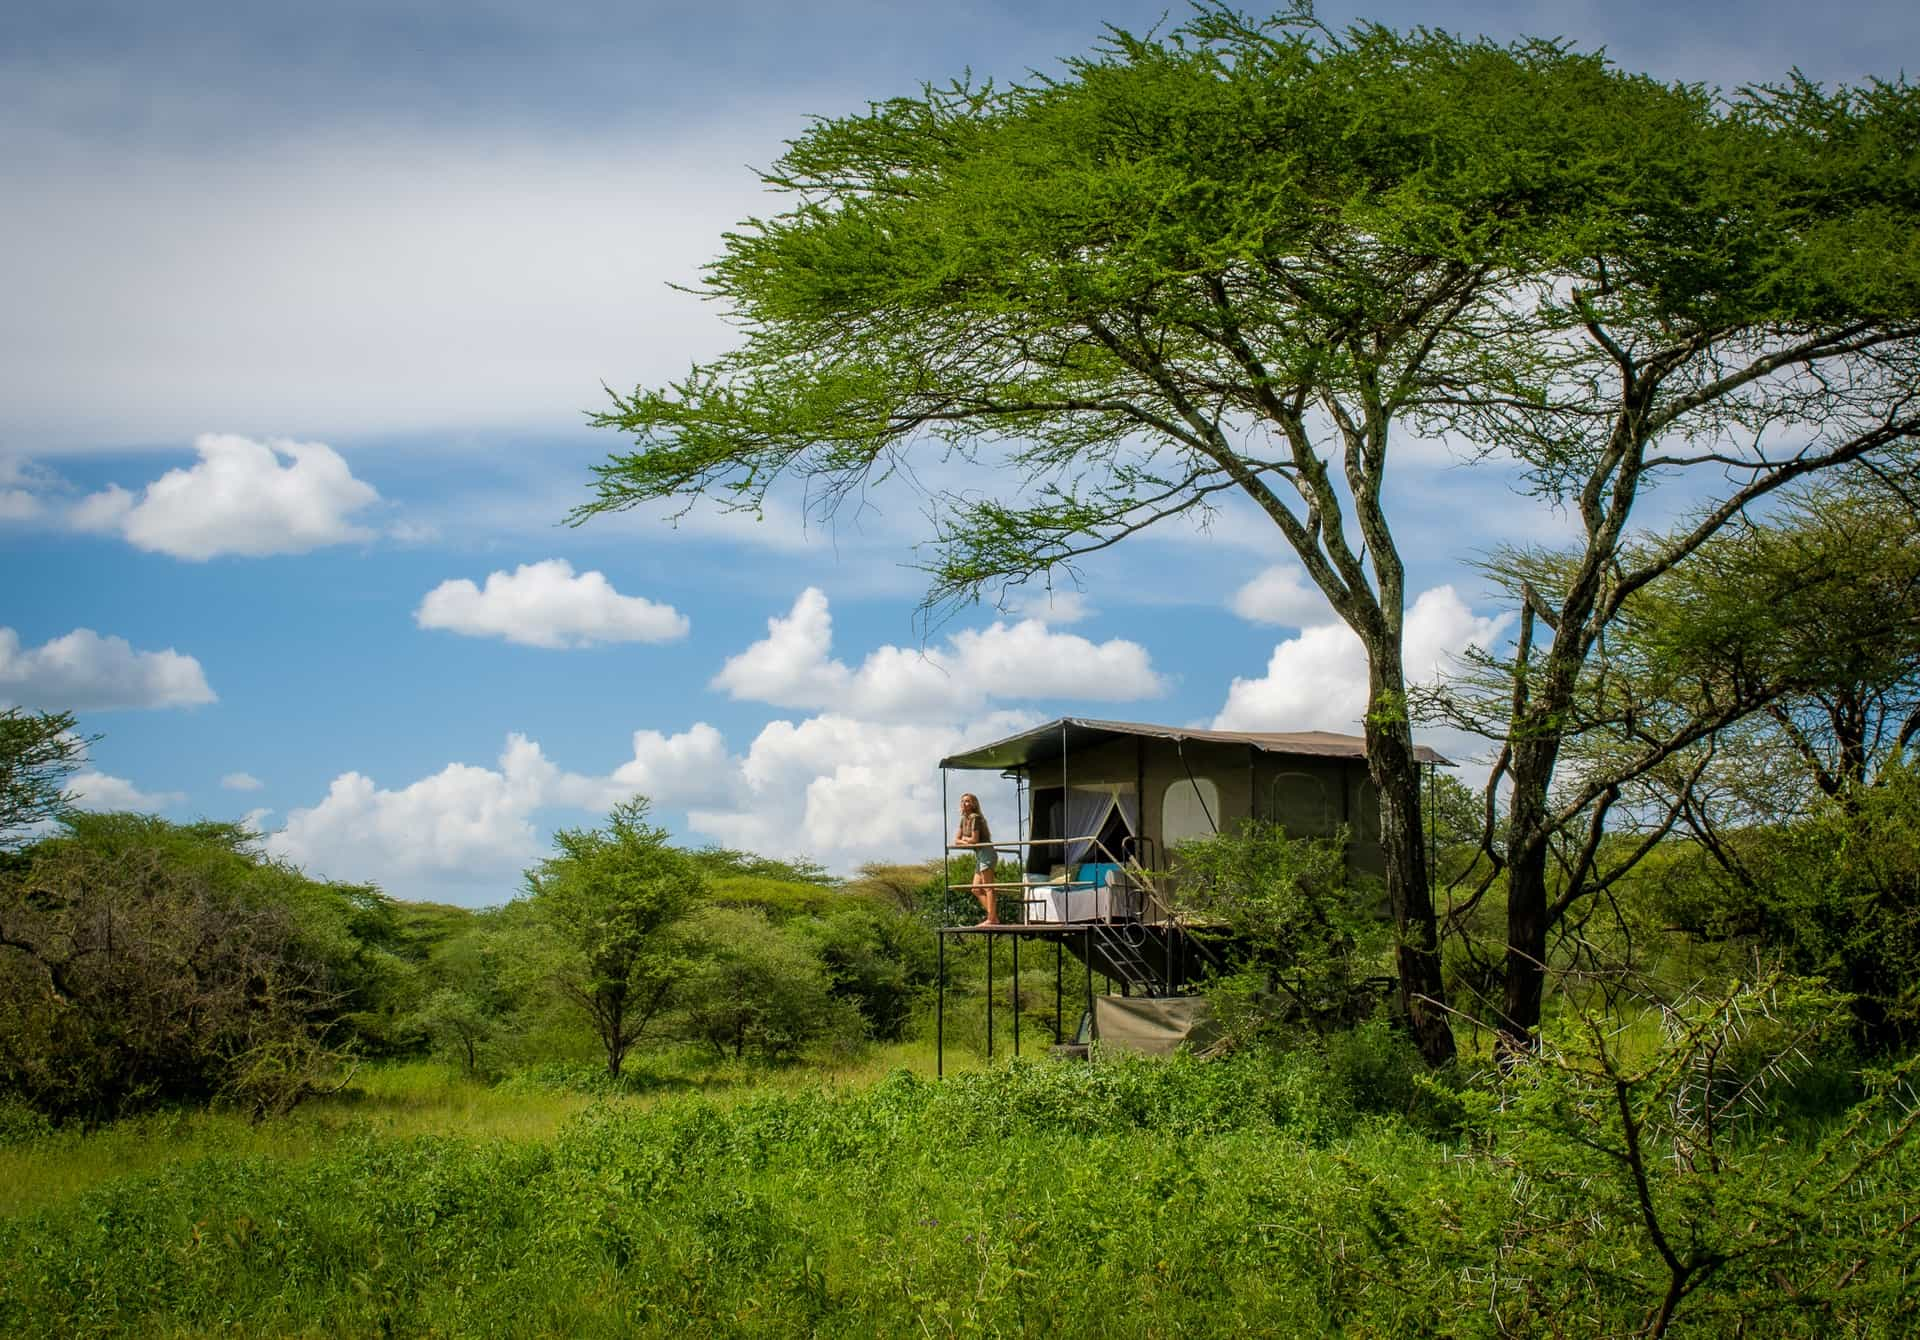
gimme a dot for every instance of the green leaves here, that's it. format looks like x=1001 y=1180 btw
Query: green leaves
x=38 y=752
x=613 y=899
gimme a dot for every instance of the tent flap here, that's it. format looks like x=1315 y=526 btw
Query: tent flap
x=1155 y=1025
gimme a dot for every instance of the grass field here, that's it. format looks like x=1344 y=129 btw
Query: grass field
x=1298 y=1195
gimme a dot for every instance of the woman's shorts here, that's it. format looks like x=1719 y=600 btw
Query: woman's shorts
x=985 y=858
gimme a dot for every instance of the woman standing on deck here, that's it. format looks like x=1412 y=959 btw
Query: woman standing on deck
x=975 y=833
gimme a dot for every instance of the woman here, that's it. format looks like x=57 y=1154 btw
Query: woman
x=975 y=833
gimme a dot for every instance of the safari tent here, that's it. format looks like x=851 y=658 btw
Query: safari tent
x=1100 y=806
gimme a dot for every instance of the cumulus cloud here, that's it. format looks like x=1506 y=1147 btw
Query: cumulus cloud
x=793 y=666
x=84 y=671
x=692 y=768
x=473 y=824
x=836 y=788
x=242 y=497
x=1280 y=595
x=463 y=820
x=856 y=782
x=843 y=790
x=1317 y=680
x=547 y=604
x=97 y=791
x=241 y=781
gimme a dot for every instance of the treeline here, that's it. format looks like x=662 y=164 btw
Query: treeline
x=145 y=963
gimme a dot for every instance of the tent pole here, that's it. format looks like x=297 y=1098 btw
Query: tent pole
x=989 y=995
x=1086 y=950
x=1016 y=995
x=1059 y=963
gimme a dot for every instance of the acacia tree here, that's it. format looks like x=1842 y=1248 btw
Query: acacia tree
x=38 y=752
x=612 y=898
x=1759 y=327
x=1240 y=259
x=1774 y=666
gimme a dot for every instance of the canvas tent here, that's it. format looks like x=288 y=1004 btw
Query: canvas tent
x=1101 y=804
x=1131 y=791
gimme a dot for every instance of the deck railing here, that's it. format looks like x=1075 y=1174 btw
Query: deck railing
x=1143 y=894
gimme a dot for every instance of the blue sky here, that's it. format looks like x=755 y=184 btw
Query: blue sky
x=304 y=305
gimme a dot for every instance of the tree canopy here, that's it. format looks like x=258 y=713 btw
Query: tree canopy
x=38 y=752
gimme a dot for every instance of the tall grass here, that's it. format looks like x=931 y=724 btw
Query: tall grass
x=413 y=1098
x=1319 y=1193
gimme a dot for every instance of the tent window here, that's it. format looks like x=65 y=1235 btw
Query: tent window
x=1302 y=806
x=1190 y=810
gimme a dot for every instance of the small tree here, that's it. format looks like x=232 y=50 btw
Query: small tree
x=753 y=988
x=1316 y=935
x=611 y=900
x=877 y=957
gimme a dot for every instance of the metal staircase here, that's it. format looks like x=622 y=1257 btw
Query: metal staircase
x=1122 y=944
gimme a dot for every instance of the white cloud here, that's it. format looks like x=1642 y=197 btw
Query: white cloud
x=857 y=782
x=21 y=485
x=238 y=499
x=463 y=820
x=1317 y=680
x=793 y=667
x=1281 y=595
x=832 y=787
x=241 y=781
x=97 y=791
x=413 y=532
x=1054 y=608
x=474 y=824
x=844 y=791
x=546 y=604
x=692 y=768
x=83 y=671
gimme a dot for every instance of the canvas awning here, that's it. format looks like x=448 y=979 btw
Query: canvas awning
x=1045 y=743
x=1157 y=1026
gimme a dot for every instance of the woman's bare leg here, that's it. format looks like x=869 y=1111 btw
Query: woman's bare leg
x=982 y=880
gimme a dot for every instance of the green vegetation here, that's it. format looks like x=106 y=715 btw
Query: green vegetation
x=38 y=752
x=1264 y=1195
x=1653 y=1064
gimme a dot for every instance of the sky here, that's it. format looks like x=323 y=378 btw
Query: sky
x=303 y=308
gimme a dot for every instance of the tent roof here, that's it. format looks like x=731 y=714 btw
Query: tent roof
x=1045 y=743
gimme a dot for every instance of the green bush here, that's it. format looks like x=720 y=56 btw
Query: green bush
x=750 y=988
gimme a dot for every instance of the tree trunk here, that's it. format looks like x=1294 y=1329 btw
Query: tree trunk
x=1532 y=769
x=615 y=1035
x=1396 y=776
